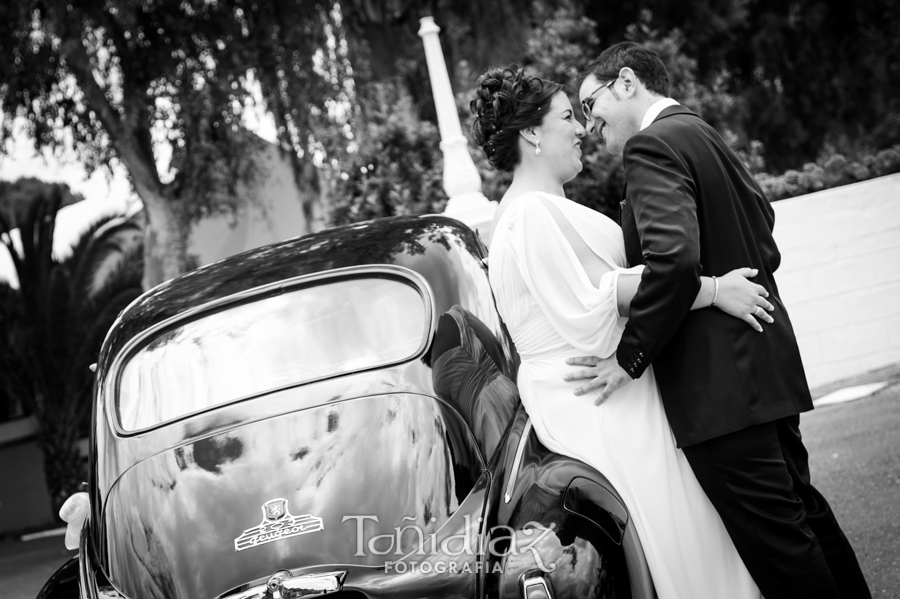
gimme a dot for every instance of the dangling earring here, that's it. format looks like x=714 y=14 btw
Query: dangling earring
x=537 y=148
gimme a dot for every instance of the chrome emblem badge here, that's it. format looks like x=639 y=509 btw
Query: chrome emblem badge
x=277 y=524
x=275 y=509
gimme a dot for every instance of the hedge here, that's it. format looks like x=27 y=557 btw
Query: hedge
x=830 y=171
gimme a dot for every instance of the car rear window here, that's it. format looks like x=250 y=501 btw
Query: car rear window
x=274 y=342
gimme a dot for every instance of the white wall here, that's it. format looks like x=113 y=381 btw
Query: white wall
x=276 y=215
x=840 y=276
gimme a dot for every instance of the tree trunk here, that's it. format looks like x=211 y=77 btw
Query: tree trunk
x=165 y=240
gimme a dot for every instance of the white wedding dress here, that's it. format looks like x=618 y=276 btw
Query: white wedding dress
x=553 y=312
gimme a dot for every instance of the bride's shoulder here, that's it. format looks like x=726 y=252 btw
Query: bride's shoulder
x=539 y=206
x=524 y=199
x=581 y=213
x=527 y=202
x=571 y=210
x=514 y=206
x=510 y=216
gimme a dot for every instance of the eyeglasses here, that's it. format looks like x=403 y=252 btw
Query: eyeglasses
x=587 y=105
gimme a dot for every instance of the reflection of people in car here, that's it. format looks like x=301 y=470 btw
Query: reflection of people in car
x=469 y=372
x=557 y=271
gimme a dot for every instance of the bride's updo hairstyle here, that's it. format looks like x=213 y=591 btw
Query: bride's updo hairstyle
x=507 y=101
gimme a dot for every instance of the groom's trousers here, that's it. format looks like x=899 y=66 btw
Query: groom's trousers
x=784 y=530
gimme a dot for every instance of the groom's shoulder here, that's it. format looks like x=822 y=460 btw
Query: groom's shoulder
x=673 y=127
x=675 y=117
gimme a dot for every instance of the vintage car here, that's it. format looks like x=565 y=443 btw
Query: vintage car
x=334 y=415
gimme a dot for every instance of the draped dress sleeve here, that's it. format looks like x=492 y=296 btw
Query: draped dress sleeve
x=585 y=315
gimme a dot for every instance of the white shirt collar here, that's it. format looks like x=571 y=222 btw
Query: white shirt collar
x=654 y=111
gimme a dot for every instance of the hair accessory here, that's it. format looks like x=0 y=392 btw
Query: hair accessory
x=537 y=148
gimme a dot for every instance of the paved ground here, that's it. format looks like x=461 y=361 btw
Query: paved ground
x=855 y=462
x=24 y=567
x=854 y=458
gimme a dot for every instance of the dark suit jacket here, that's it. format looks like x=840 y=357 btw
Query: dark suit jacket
x=693 y=209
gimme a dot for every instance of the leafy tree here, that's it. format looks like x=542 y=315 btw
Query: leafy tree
x=710 y=27
x=802 y=74
x=55 y=323
x=814 y=71
x=386 y=48
x=396 y=168
x=129 y=81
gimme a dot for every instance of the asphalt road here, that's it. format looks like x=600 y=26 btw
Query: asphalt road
x=854 y=453
x=25 y=567
x=854 y=457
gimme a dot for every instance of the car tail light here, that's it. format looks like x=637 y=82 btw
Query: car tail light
x=533 y=585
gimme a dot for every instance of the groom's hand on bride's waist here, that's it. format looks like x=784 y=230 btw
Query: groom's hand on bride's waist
x=606 y=376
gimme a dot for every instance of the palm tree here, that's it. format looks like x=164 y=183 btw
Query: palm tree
x=65 y=307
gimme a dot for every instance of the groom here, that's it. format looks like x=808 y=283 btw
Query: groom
x=732 y=396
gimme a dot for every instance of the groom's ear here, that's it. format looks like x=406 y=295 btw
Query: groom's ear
x=629 y=80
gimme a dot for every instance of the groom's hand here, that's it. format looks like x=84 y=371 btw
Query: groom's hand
x=607 y=376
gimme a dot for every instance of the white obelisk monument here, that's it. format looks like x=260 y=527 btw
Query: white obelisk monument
x=461 y=179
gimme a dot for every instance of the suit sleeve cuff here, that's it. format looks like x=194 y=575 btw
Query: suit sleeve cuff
x=632 y=363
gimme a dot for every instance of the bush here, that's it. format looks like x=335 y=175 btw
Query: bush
x=886 y=161
x=396 y=168
x=830 y=170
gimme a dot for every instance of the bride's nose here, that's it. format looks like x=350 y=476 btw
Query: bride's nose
x=590 y=126
x=579 y=130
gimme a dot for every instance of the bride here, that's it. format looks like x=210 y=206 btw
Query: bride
x=559 y=276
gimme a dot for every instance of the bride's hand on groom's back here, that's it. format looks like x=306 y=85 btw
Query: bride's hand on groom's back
x=742 y=298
